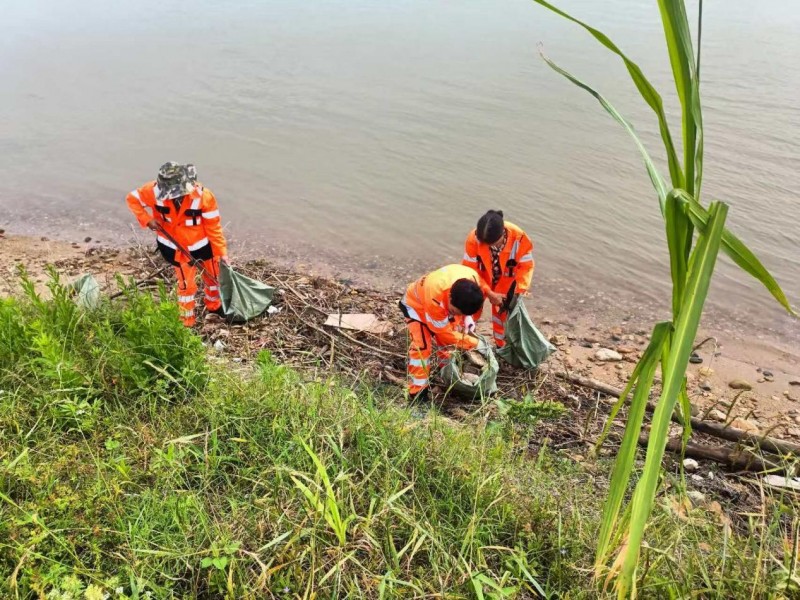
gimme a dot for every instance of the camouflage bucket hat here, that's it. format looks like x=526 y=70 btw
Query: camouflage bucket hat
x=174 y=181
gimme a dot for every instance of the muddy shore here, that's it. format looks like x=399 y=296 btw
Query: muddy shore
x=772 y=405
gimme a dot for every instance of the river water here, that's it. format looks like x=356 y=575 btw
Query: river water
x=373 y=134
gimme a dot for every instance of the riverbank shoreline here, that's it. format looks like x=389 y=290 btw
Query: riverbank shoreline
x=773 y=404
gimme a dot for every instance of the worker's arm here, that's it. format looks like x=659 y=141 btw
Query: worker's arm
x=525 y=266
x=471 y=258
x=213 y=225
x=444 y=331
x=138 y=206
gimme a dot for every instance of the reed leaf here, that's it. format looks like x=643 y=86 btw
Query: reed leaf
x=701 y=268
x=630 y=439
x=646 y=89
x=655 y=177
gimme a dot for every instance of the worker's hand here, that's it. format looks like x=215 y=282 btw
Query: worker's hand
x=469 y=325
x=225 y=259
x=152 y=224
x=496 y=298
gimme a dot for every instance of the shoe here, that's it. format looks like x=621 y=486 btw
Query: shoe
x=421 y=397
x=218 y=311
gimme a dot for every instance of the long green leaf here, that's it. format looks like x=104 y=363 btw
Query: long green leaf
x=737 y=251
x=701 y=268
x=681 y=58
x=626 y=454
x=655 y=176
x=646 y=89
x=679 y=240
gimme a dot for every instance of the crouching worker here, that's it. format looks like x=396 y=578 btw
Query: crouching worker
x=438 y=309
x=502 y=254
x=186 y=220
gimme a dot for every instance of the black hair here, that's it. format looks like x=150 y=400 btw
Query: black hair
x=466 y=296
x=490 y=227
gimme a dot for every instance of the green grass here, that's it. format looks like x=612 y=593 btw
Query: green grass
x=170 y=476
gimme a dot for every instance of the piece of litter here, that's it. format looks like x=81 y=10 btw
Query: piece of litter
x=219 y=346
x=359 y=322
x=779 y=481
x=273 y=310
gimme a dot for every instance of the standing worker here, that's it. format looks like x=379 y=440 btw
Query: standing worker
x=186 y=220
x=438 y=308
x=502 y=254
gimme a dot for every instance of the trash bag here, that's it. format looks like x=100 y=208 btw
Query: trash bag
x=87 y=291
x=454 y=374
x=242 y=298
x=526 y=346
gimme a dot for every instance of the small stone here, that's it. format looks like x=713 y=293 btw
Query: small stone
x=87 y=240
x=740 y=384
x=607 y=355
x=695 y=359
x=625 y=350
x=690 y=465
x=768 y=378
x=696 y=477
x=711 y=475
x=706 y=371
x=219 y=346
x=705 y=386
x=558 y=340
x=696 y=496
x=2 y=231
x=591 y=340
x=716 y=415
x=789 y=396
x=794 y=432
x=744 y=425
x=45 y=239
x=794 y=382
x=766 y=373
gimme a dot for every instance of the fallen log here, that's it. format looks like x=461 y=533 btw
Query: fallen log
x=733 y=459
x=766 y=443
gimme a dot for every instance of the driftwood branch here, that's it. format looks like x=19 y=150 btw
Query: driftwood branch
x=766 y=443
x=734 y=459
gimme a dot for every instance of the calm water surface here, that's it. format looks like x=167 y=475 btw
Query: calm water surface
x=377 y=132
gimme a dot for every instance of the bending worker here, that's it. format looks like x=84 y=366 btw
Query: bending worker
x=186 y=219
x=502 y=254
x=438 y=308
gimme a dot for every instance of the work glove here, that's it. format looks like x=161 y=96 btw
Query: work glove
x=469 y=325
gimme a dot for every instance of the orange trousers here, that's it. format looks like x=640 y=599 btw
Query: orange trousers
x=186 y=275
x=420 y=344
x=499 y=326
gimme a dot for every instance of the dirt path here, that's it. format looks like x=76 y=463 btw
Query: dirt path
x=772 y=405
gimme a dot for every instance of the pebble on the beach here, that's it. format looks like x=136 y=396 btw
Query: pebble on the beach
x=607 y=355
x=740 y=384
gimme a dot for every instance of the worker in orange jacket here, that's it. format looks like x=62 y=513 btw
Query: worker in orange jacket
x=502 y=254
x=182 y=210
x=438 y=308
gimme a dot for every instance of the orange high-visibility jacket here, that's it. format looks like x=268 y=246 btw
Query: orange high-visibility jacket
x=427 y=300
x=196 y=226
x=516 y=260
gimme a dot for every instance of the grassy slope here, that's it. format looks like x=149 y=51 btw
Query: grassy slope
x=133 y=466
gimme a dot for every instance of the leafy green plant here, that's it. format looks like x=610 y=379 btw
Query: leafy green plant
x=695 y=235
x=321 y=496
